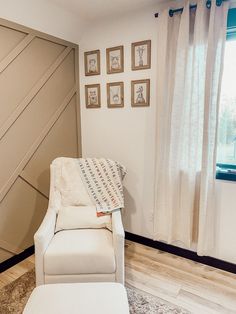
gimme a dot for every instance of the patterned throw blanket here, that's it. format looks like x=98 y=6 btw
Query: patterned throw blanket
x=103 y=180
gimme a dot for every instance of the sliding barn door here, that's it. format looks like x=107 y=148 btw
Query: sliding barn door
x=39 y=121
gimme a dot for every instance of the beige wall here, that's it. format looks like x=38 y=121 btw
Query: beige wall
x=39 y=121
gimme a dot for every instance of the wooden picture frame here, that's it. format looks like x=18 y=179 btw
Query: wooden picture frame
x=140 y=93
x=141 y=55
x=115 y=95
x=93 y=96
x=92 y=62
x=115 y=59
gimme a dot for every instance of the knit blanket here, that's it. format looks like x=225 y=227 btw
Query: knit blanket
x=103 y=181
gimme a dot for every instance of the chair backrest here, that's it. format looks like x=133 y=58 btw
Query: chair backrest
x=68 y=193
x=66 y=185
x=55 y=174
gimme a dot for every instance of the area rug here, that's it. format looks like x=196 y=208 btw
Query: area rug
x=14 y=296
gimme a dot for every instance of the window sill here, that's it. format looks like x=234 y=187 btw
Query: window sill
x=226 y=172
x=225 y=176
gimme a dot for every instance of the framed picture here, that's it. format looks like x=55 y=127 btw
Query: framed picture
x=140 y=93
x=141 y=55
x=115 y=95
x=92 y=96
x=92 y=62
x=115 y=59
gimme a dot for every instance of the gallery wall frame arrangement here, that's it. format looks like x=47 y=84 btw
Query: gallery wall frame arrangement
x=141 y=55
x=93 y=96
x=140 y=93
x=115 y=95
x=115 y=59
x=140 y=89
x=92 y=62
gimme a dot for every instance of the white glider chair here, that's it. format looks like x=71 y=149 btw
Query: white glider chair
x=76 y=255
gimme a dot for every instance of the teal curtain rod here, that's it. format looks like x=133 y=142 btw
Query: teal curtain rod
x=208 y=5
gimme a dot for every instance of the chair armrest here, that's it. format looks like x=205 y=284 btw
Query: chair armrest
x=117 y=225
x=119 y=243
x=42 y=238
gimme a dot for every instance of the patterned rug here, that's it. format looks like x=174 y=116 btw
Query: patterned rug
x=14 y=296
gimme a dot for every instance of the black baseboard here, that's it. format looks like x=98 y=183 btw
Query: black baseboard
x=16 y=259
x=207 y=260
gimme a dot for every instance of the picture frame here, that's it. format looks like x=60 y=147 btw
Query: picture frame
x=140 y=93
x=115 y=95
x=93 y=96
x=92 y=62
x=115 y=59
x=141 y=55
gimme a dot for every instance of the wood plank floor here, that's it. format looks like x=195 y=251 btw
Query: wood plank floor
x=199 y=288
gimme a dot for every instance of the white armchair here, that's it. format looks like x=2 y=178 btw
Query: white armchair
x=81 y=255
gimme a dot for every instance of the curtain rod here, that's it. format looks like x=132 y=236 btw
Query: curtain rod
x=208 y=5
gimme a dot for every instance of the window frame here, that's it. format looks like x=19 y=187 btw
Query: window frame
x=231 y=25
x=227 y=171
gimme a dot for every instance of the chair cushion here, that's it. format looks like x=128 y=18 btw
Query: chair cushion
x=81 y=251
x=81 y=217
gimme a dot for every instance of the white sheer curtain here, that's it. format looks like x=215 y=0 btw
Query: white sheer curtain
x=190 y=61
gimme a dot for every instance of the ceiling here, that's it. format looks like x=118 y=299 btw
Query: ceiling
x=96 y=9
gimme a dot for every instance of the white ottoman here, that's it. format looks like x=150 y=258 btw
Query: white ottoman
x=79 y=298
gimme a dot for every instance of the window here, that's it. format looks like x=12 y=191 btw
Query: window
x=226 y=150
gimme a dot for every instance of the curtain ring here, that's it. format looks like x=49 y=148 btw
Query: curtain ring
x=171 y=12
x=218 y=3
x=208 y=4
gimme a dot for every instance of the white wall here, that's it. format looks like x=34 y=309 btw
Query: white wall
x=226 y=221
x=124 y=134
x=44 y=16
x=127 y=134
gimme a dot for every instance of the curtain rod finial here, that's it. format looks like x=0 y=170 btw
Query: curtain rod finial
x=171 y=12
x=208 y=4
